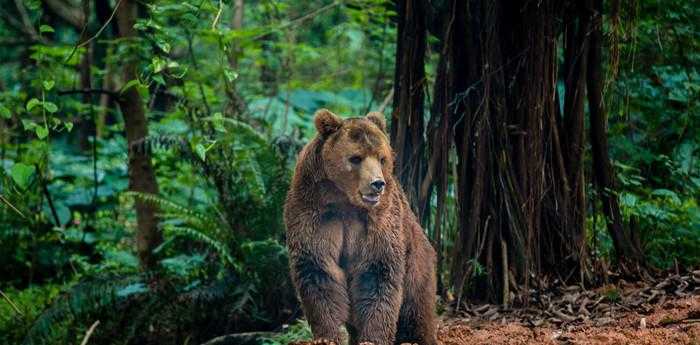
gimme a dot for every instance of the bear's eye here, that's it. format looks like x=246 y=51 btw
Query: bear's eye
x=382 y=160
x=355 y=159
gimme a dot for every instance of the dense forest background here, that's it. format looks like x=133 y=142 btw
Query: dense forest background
x=146 y=150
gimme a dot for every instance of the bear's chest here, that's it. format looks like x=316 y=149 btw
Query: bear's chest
x=349 y=232
x=354 y=239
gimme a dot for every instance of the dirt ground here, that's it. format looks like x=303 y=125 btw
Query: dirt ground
x=672 y=322
x=663 y=311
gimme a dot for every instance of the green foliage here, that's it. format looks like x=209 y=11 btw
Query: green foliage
x=29 y=304
x=298 y=331
x=136 y=308
x=228 y=109
x=655 y=118
x=612 y=294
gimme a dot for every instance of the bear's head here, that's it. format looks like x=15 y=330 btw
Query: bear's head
x=356 y=155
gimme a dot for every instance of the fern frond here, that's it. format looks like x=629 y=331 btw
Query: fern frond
x=173 y=209
x=83 y=299
x=241 y=128
x=220 y=247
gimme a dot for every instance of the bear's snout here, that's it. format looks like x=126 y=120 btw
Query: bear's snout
x=378 y=185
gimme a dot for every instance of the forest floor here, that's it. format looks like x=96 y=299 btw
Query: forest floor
x=661 y=311
x=657 y=311
x=675 y=321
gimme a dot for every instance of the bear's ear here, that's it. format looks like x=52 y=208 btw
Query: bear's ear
x=326 y=122
x=378 y=119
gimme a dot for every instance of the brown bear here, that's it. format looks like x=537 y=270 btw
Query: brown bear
x=358 y=257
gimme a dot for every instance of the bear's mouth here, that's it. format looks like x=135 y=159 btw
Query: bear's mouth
x=370 y=198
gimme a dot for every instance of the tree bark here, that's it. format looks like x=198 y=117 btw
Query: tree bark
x=447 y=83
x=407 y=123
x=236 y=104
x=625 y=249
x=141 y=174
x=513 y=172
x=520 y=183
x=66 y=11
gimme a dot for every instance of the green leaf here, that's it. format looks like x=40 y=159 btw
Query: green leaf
x=68 y=125
x=41 y=132
x=50 y=107
x=158 y=64
x=218 y=122
x=667 y=194
x=21 y=174
x=130 y=84
x=28 y=124
x=48 y=84
x=165 y=46
x=4 y=112
x=159 y=79
x=230 y=75
x=45 y=28
x=132 y=289
x=32 y=104
x=201 y=151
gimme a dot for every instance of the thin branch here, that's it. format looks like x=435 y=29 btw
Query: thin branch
x=47 y=194
x=97 y=34
x=89 y=332
x=88 y=91
x=386 y=101
x=25 y=20
x=67 y=12
x=218 y=15
x=16 y=42
x=26 y=25
x=12 y=207
x=12 y=304
x=300 y=19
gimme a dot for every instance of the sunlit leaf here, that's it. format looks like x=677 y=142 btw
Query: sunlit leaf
x=45 y=28
x=201 y=151
x=130 y=84
x=4 y=112
x=32 y=104
x=50 y=107
x=48 y=84
x=21 y=174
x=41 y=132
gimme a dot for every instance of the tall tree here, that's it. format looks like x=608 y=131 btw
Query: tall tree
x=626 y=246
x=409 y=88
x=141 y=174
x=520 y=180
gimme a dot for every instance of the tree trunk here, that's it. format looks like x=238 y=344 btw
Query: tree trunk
x=443 y=117
x=141 y=174
x=625 y=249
x=236 y=105
x=407 y=118
x=520 y=184
x=513 y=170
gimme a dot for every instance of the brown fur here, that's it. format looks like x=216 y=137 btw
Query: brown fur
x=369 y=267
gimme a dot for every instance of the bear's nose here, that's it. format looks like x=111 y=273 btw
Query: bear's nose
x=378 y=185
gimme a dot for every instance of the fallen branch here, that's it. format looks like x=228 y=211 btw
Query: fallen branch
x=12 y=304
x=241 y=338
x=89 y=332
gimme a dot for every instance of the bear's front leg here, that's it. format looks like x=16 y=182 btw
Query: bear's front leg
x=376 y=292
x=321 y=285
